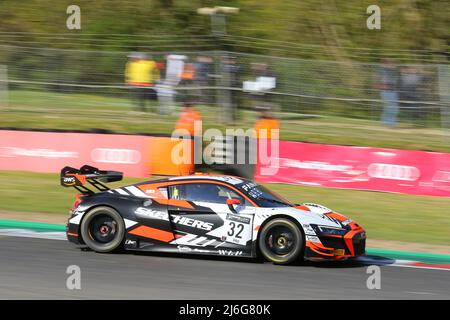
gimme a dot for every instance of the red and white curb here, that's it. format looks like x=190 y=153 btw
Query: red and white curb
x=420 y=265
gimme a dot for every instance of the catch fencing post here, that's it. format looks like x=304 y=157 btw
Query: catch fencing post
x=4 y=99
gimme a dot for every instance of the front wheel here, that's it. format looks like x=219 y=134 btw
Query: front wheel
x=281 y=241
x=103 y=229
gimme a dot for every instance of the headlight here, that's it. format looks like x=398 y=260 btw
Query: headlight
x=331 y=230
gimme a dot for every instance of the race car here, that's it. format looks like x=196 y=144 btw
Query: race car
x=204 y=214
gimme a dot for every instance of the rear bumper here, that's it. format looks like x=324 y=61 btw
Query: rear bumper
x=72 y=232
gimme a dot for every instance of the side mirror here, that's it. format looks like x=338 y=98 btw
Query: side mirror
x=231 y=203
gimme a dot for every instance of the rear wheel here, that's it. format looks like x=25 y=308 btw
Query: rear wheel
x=103 y=229
x=281 y=241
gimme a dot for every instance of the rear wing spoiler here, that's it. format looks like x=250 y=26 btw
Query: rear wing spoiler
x=77 y=178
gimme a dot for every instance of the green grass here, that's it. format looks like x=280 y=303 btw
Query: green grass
x=38 y=193
x=48 y=110
x=385 y=216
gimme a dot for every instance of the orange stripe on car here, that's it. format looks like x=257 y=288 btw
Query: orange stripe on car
x=316 y=248
x=176 y=203
x=348 y=238
x=302 y=207
x=152 y=233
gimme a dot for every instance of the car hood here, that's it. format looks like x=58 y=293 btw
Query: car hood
x=315 y=215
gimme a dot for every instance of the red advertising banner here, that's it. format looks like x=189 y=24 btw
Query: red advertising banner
x=392 y=170
x=50 y=151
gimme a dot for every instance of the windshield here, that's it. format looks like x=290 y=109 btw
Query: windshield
x=263 y=196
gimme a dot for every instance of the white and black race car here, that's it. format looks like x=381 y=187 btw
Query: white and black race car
x=204 y=214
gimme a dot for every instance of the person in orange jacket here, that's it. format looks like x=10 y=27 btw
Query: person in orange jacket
x=188 y=117
x=266 y=122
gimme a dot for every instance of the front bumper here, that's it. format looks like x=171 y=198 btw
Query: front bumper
x=334 y=247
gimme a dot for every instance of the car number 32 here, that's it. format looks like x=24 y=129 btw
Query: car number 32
x=238 y=229
x=235 y=230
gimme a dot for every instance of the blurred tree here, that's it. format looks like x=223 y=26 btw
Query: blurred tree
x=338 y=27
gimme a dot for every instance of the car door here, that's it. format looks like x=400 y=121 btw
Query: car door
x=153 y=230
x=211 y=226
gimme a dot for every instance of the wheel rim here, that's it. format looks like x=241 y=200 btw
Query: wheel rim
x=280 y=240
x=103 y=228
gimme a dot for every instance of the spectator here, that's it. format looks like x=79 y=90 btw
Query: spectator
x=265 y=82
x=203 y=75
x=266 y=122
x=188 y=118
x=187 y=77
x=166 y=89
x=141 y=74
x=411 y=84
x=387 y=83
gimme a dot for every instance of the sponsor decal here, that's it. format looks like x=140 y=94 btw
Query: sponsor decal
x=230 y=253
x=160 y=215
x=69 y=181
x=192 y=223
x=189 y=249
x=312 y=238
x=131 y=242
x=184 y=249
x=153 y=214
x=236 y=218
x=248 y=186
x=201 y=250
x=231 y=180
x=308 y=229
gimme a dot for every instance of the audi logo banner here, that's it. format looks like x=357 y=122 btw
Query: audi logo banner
x=392 y=170
x=51 y=151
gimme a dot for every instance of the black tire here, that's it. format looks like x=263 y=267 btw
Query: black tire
x=103 y=229
x=281 y=241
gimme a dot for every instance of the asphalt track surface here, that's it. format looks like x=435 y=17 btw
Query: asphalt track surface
x=36 y=269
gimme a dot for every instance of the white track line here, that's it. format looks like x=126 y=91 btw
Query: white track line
x=33 y=234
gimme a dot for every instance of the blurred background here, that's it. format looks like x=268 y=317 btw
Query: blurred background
x=315 y=66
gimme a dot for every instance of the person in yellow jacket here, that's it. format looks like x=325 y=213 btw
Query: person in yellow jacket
x=141 y=74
